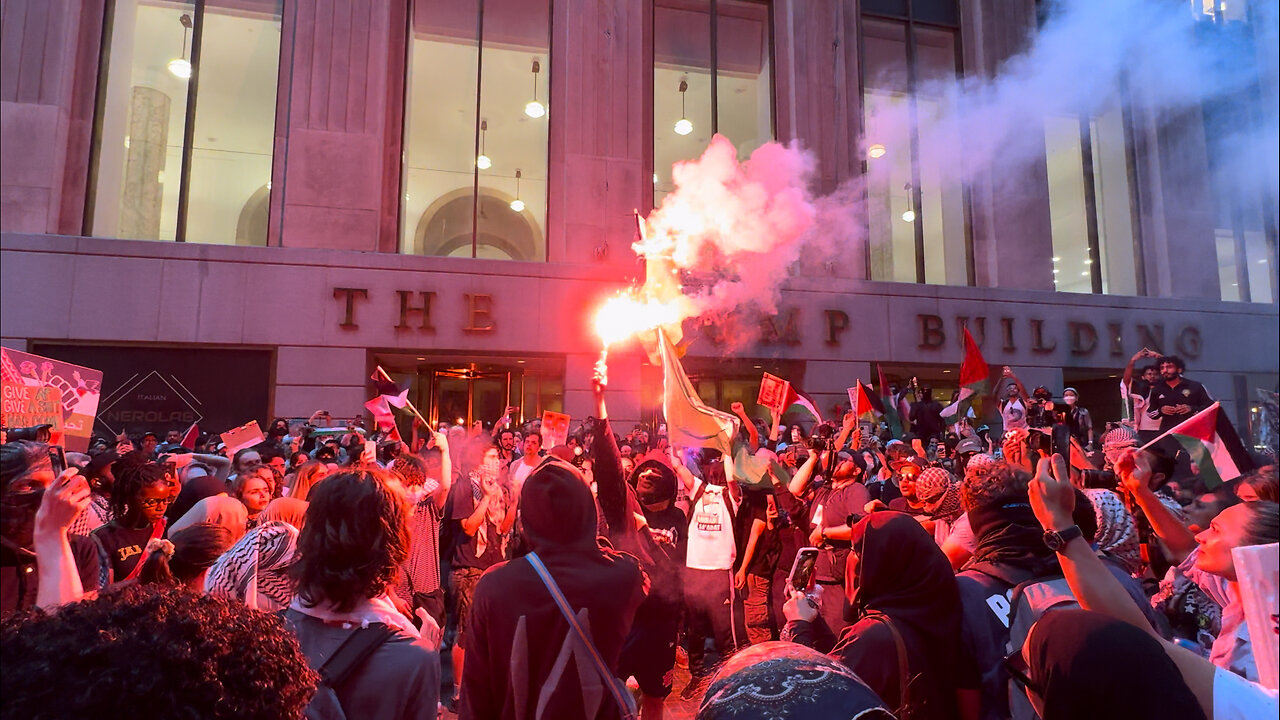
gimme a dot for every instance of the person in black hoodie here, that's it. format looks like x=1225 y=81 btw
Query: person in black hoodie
x=905 y=613
x=1010 y=549
x=521 y=651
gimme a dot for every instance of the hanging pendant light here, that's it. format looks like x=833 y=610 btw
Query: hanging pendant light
x=683 y=126
x=180 y=67
x=909 y=215
x=482 y=161
x=517 y=205
x=533 y=108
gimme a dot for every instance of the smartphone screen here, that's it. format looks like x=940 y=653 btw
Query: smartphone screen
x=801 y=577
x=1062 y=441
x=57 y=459
x=370 y=453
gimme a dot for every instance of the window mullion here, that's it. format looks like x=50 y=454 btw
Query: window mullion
x=1090 y=202
x=189 y=124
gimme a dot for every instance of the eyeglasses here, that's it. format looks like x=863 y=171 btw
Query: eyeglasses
x=1017 y=667
x=155 y=502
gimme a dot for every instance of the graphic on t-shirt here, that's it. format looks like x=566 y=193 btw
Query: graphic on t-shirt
x=129 y=551
x=708 y=517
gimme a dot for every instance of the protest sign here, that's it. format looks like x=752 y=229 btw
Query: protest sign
x=247 y=435
x=40 y=391
x=555 y=429
x=773 y=392
x=1258 y=570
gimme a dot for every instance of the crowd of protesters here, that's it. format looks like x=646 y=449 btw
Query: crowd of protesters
x=961 y=571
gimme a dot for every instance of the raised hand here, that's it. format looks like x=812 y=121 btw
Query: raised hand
x=1052 y=497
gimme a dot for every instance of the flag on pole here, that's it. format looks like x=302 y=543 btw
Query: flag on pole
x=690 y=423
x=975 y=380
x=190 y=437
x=780 y=395
x=1214 y=446
x=389 y=395
x=865 y=402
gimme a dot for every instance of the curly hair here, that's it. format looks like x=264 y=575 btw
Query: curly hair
x=991 y=483
x=131 y=478
x=411 y=469
x=151 y=651
x=354 y=541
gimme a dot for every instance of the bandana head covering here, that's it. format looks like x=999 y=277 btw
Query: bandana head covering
x=940 y=492
x=1116 y=440
x=979 y=463
x=1117 y=535
x=285 y=509
x=255 y=570
x=785 y=681
x=1088 y=665
x=220 y=510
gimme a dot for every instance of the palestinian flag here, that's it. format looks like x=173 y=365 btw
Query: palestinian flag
x=390 y=395
x=1214 y=446
x=866 y=402
x=890 y=411
x=795 y=396
x=190 y=437
x=690 y=423
x=975 y=380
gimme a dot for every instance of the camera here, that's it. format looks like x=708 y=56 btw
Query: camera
x=35 y=433
x=821 y=439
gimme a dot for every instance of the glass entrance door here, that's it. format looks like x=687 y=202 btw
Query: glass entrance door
x=461 y=396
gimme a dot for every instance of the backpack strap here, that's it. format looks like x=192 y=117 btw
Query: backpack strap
x=624 y=708
x=693 y=501
x=352 y=652
x=904 y=670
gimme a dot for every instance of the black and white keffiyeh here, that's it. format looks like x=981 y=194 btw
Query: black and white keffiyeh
x=255 y=569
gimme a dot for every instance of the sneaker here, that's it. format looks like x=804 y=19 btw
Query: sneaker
x=694 y=688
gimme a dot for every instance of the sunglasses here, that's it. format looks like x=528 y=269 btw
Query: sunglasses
x=1017 y=667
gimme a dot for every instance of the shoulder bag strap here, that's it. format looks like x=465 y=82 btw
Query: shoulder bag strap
x=904 y=670
x=157 y=531
x=352 y=653
x=607 y=675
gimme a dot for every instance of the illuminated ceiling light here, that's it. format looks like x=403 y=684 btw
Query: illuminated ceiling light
x=909 y=215
x=1055 y=271
x=180 y=67
x=1088 y=261
x=655 y=178
x=482 y=161
x=517 y=205
x=1056 y=258
x=683 y=126
x=1085 y=273
x=533 y=108
x=875 y=151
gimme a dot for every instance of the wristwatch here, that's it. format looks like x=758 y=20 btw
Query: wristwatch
x=1057 y=540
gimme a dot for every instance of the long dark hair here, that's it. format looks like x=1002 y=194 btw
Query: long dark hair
x=132 y=476
x=354 y=541
x=195 y=549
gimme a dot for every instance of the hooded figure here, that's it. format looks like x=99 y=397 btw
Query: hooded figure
x=898 y=582
x=522 y=659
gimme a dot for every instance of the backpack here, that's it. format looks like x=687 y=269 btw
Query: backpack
x=346 y=658
x=1029 y=600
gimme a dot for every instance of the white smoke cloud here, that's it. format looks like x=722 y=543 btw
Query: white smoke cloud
x=742 y=226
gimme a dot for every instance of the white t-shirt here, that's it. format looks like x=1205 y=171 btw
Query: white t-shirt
x=1235 y=698
x=520 y=472
x=711 y=545
x=1014 y=414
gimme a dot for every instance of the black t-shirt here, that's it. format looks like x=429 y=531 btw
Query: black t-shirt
x=121 y=549
x=19 y=576
x=669 y=530
x=1188 y=392
x=926 y=419
x=768 y=547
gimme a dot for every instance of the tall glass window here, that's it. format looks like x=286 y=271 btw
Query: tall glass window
x=1091 y=204
x=711 y=74
x=187 y=120
x=475 y=133
x=1245 y=234
x=917 y=216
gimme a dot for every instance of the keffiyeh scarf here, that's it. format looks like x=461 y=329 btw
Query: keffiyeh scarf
x=255 y=569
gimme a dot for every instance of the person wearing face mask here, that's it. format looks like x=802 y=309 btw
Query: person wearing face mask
x=485 y=511
x=904 y=640
x=1077 y=418
x=26 y=474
